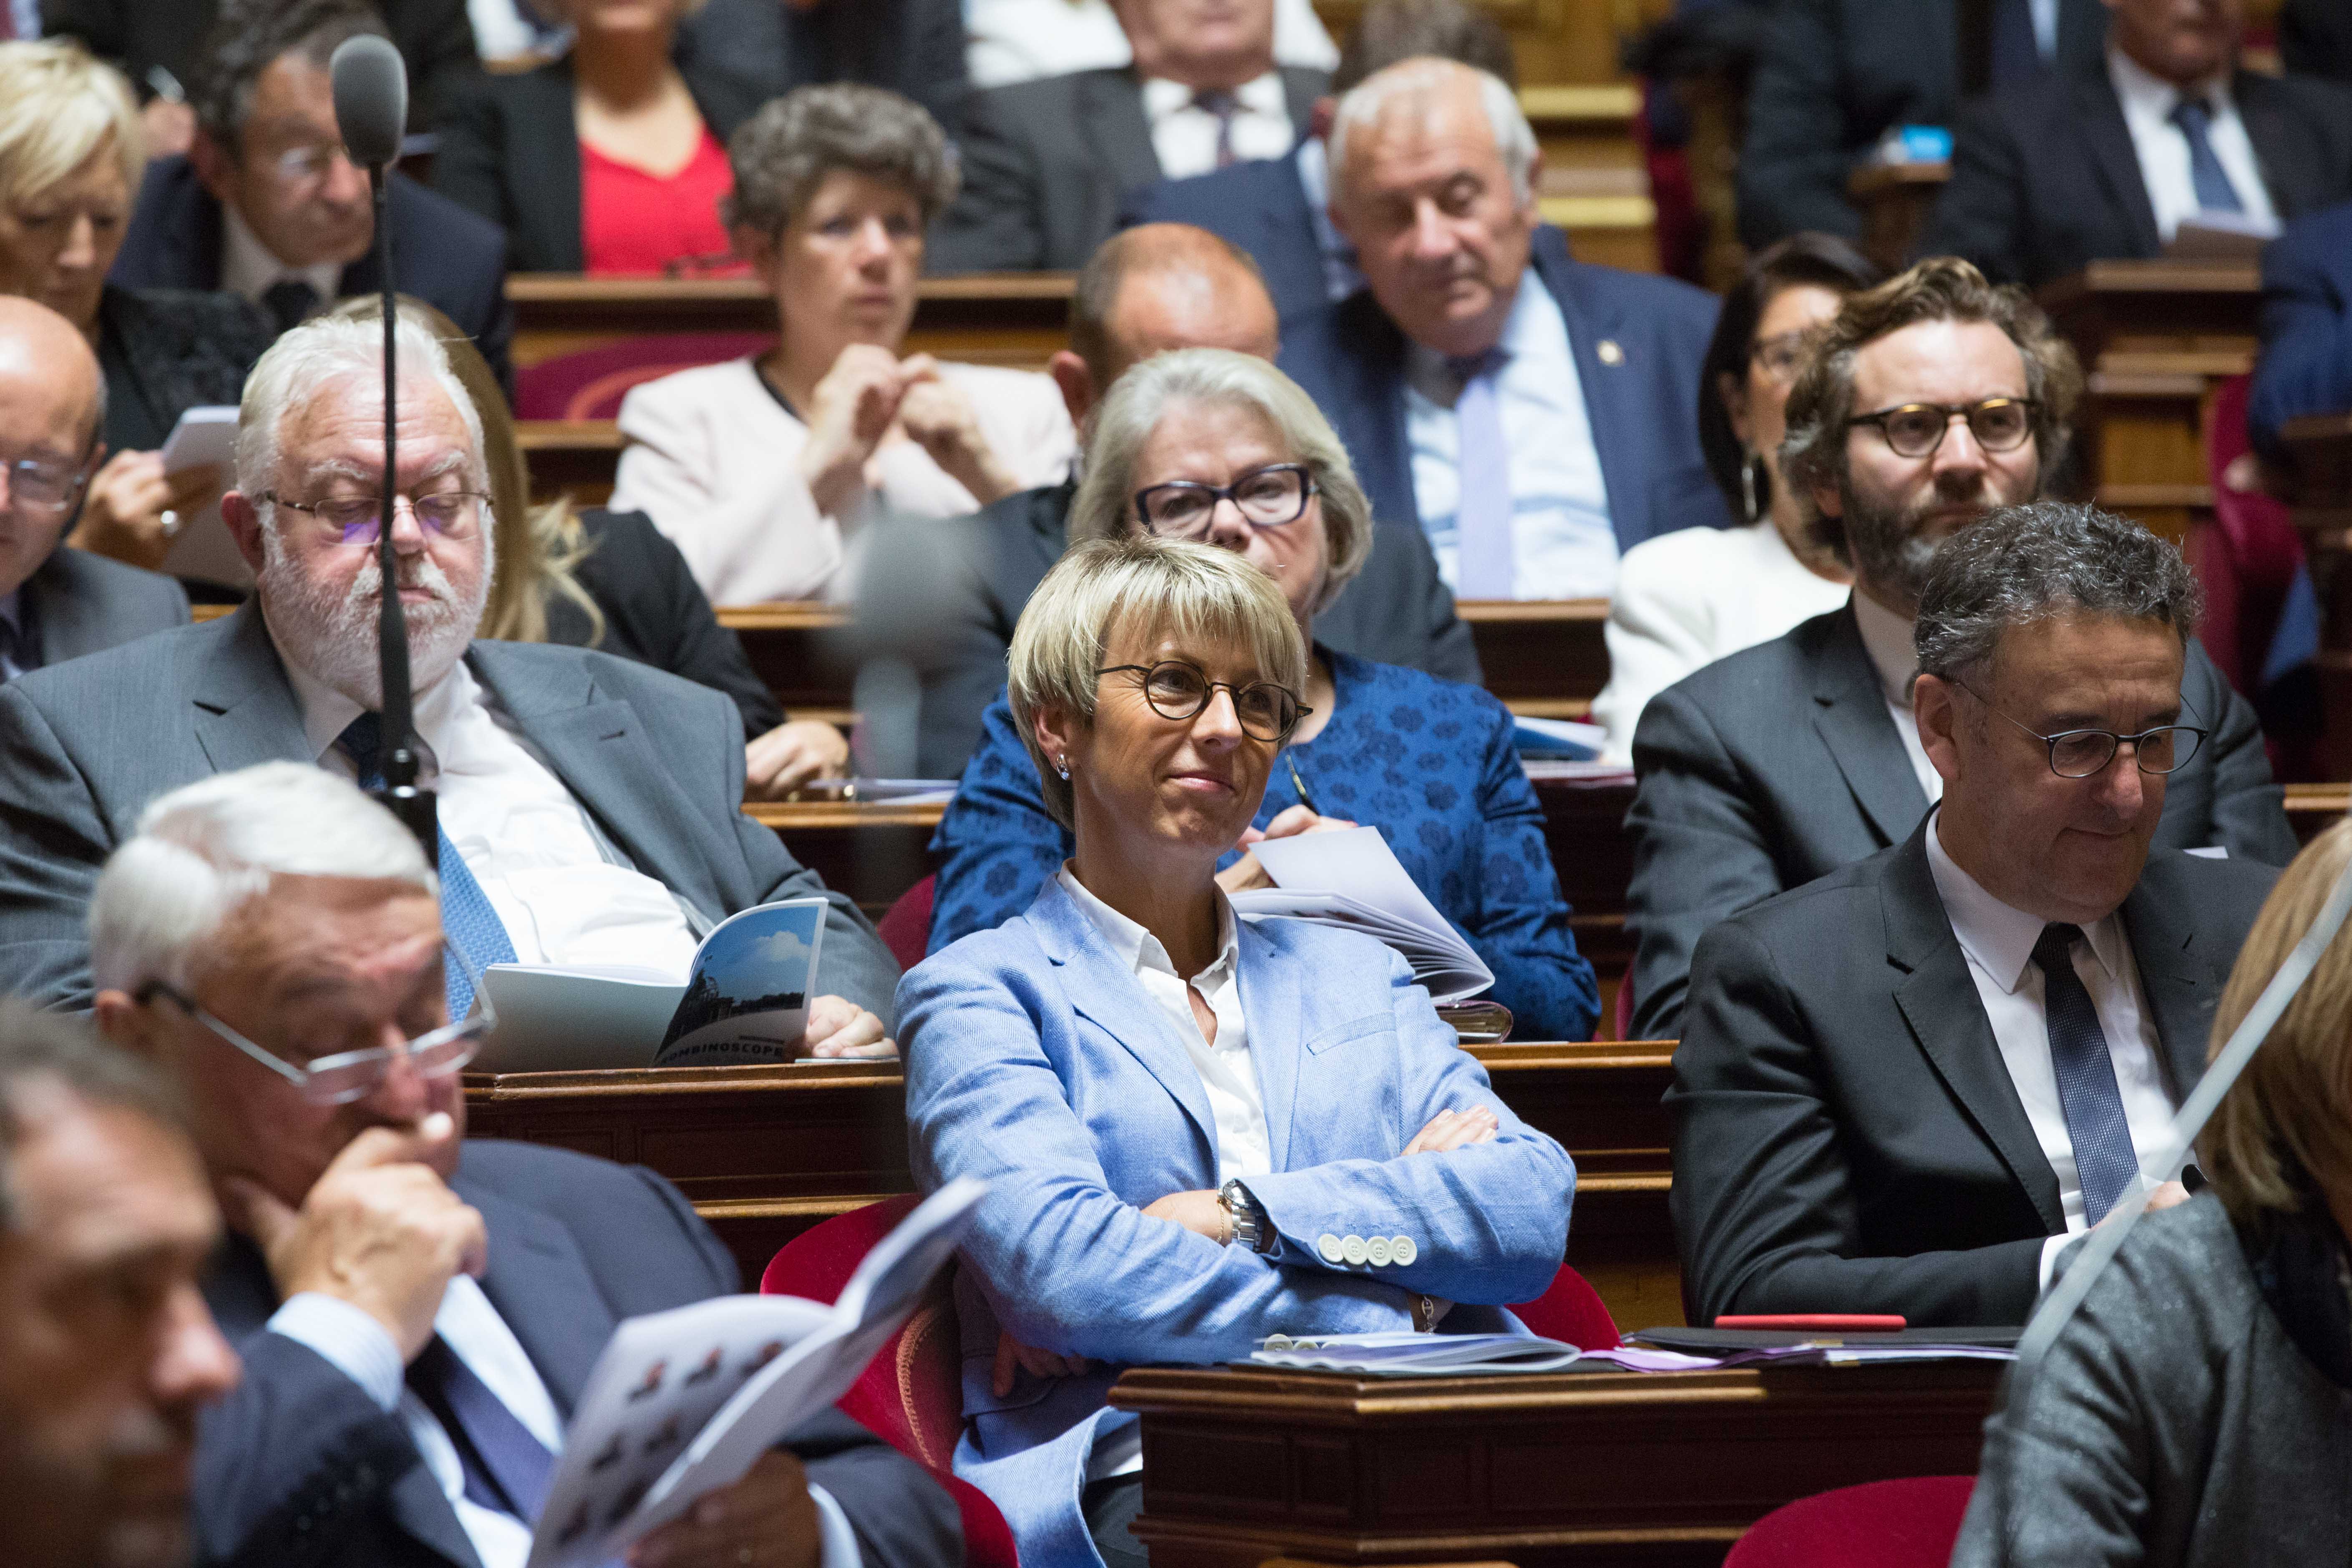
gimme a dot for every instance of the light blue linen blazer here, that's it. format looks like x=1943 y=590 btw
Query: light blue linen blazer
x=1036 y=1062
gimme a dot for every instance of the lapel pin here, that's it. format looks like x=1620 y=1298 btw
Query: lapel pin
x=1609 y=352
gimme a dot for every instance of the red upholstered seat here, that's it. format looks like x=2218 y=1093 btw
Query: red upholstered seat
x=2248 y=558
x=1571 y=1311
x=1908 y=1523
x=910 y=1395
x=906 y=927
x=589 y=384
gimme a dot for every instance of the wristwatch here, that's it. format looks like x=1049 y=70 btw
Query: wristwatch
x=1251 y=1227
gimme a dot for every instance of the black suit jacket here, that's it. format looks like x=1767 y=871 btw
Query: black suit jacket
x=298 y=1467
x=509 y=153
x=2316 y=39
x=166 y=351
x=1847 y=1138
x=1047 y=162
x=948 y=602
x=1746 y=789
x=79 y=603
x=911 y=47
x=1834 y=76
x=1351 y=358
x=2045 y=180
x=442 y=254
x=435 y=40
x=1260 y=206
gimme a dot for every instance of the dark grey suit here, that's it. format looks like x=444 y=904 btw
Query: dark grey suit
x=1847 y=1138
x=83 y=603
x=1746 y=790
x=299 y=1467
x=657 y=762
x=1047 y=162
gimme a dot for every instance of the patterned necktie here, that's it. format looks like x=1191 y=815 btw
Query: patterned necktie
x=2215 y=194
x=1224 y=106
x=506 y=1467
x=2105 y=1162
x=466 y=912
x=1484 y=564
x=289 y=302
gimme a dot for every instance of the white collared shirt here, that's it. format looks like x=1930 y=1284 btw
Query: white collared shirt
x=2162 y=147
x=1341 y=277
x=1886 y=637
x=563 y=898
x=251 y=269
x=1184 y=134
x=1999 y=941
x=1564 y=545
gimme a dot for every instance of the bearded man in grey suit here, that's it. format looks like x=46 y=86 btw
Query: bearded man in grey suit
x=589 y=806
x=58 y=603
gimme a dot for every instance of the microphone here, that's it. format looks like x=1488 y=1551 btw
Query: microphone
x=371 y=89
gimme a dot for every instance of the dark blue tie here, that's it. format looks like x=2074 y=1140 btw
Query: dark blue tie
x=466 y=912
x=2104 y=1162
x=505 y=1466
x=2016 y=51
x=2215 y=194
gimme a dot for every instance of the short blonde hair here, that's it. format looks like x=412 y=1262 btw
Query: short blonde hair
x=59 y=109
x=2287 y=1121
x=1193 y=591
x=1104 y=507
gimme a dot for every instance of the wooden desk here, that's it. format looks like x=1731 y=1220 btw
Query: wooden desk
x=765 y=1153
x=2321 y=446
x=1894 y=199
x=1585 y=1469
x=570 y=457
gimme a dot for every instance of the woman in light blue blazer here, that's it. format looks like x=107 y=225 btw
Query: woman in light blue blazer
x=1196 y=1131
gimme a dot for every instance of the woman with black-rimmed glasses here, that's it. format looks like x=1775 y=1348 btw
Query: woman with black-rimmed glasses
x=1223 y=450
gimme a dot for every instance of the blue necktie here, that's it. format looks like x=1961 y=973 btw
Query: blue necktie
x=1485 y=563
x=506 y=1467
x=2104 y=1162
x=2016 y=50
x=2215 y=194
x=466 y=912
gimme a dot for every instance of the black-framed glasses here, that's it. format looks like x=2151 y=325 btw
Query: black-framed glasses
x=1266 y=498
x=2082 y=753
x=356 y=519
x=1916 y=429
x=1181 y=691
x=50 y=485
x=344 y=1076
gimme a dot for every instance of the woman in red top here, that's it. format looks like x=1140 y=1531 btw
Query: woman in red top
x=612 y=160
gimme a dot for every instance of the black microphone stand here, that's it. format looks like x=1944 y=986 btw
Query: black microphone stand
x=415 y=807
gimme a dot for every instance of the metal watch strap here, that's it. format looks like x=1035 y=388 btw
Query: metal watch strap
x=1250 y=1226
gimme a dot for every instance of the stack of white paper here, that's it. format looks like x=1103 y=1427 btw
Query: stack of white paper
x=1351 y=878
x=1402 y=1351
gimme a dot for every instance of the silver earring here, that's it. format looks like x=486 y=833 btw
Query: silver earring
x=1748 y=486
x=1062 y=766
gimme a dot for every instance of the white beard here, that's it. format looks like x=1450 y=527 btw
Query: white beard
x=335 y=637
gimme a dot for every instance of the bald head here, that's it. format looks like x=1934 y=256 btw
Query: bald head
x=1158 y=286
x=52 y=399
x=41 y=348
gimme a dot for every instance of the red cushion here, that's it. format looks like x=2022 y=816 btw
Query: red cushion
x=1909 y=1523
x=906 y=927
x=2249 y=557
x=589 y=383
x=1571 y=1311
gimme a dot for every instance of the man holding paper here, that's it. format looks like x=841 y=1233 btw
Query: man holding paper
x=417 y=1314
x=1196 y=1129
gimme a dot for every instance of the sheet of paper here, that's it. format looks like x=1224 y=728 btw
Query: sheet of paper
x=1350 y=877
x=747 y=999
x=203 y=550
x=1402 y=1351
x=558 y=1019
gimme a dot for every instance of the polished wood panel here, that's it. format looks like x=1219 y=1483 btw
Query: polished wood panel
x=1572 y=1468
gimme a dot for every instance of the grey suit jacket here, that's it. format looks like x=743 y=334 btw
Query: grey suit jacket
x=1047 y=162
x=2175 y=1424
x=85 y=604
x=658 y=762
x=1746 y=789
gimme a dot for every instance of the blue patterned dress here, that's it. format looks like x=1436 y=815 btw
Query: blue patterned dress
x=1428 y=761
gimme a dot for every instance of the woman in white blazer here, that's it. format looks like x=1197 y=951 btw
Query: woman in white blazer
x=762 y=470
x=1688 y=598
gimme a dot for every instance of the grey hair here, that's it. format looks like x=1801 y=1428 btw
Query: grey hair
x=1104 y=506
x=1420 y=78
x=781 y=154
x=1196 y=592
x=203 y=849
x=319 y=354
x=2020 y=564
x=43 y=1049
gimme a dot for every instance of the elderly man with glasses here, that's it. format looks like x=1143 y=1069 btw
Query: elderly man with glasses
x=416 y=1313
x=589 y=806
x=1902 y=1087
x=55 y=602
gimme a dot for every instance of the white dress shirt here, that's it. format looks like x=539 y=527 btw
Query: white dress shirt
x=2162 y=147
x=1184 y=134
x=251 y=269
x=1564 y=545
x=562 y=893
x=1999 y=941
x=1341 y=277
x=1688 y=598
x=713 y=458
x=1021 y=41
x=1886 y=637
